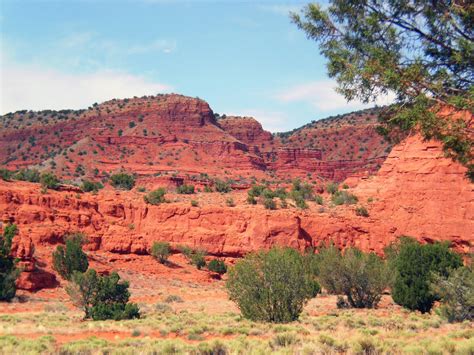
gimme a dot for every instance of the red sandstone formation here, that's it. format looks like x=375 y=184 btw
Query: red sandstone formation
x=249 y=131
x=416 y=192
x=166 y=134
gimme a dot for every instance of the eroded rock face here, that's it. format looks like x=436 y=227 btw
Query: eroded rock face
x=168 y=133
x=418 y=192
x=247 y=130
x=36 y=280
x=147 y=135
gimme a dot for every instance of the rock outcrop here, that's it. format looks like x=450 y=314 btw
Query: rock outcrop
x=171 y=139
x=417 y=192
x=166 y=134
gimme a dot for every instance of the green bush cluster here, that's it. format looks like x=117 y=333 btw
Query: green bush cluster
x=102 y=297
x=49 y=181
x=185 y=189
x=31 y=175
x=91 y=186
x=332 y=188
x=71 y=258
x=274 y=286
x=222 y=186
x=8 y=270
x=122 y=181
x=361 y=211
x=230 y=202
x=300 y=192
x=6 y=174
x=266 y=195
x=195 y=257
x=271 y=286
x=217 y=266
x=361 y=277
x=343 y=197
x=319 y=199
x=161 y=251
x=414 y=266
x=155 y=197
x=269 y=203
x=456 y=293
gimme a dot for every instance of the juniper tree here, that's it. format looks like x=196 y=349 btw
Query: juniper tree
x=421 y=51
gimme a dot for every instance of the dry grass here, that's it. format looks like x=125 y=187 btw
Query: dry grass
x=181 y=327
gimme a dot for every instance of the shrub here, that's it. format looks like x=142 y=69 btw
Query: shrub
x=122 y=181
x=299 y=200
x=280 y=193
x=31 y=175
x=284 y=340
x=67 y=260
x=91 y=186
x=269 y=204
x=186 y=251
x=6 y=174
x=194 y=203
x=251 y=200
x=456 y=293
x=271 y=286
x=8 y=270
x=230 y=202
x=332 y=188
x=173 y=298
x=268 y=193
x=49 y=181
x=217 y=266
x=194 y=256
x=343 y=197
x=361 y=277
x=256 y=190
x=197 y=259
x=155 y=197
x=185 y=189
x=302 y=190
x=161 y=251
x=102 y=297
x=414 y=264
x=222 y=186
x=361 y=211
x=319 y=199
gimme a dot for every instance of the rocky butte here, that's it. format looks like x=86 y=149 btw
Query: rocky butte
x=169 y=140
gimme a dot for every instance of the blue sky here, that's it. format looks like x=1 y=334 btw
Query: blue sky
x=244 y=58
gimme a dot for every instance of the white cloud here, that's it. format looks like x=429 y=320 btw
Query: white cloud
x=273 y=121
x=37 y=88
x=322 y=96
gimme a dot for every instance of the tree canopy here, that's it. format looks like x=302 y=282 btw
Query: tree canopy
x=421 y=51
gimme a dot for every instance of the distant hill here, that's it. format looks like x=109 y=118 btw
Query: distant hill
x=175 y=134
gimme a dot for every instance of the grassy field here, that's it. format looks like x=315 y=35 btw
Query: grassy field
x=167 y=327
